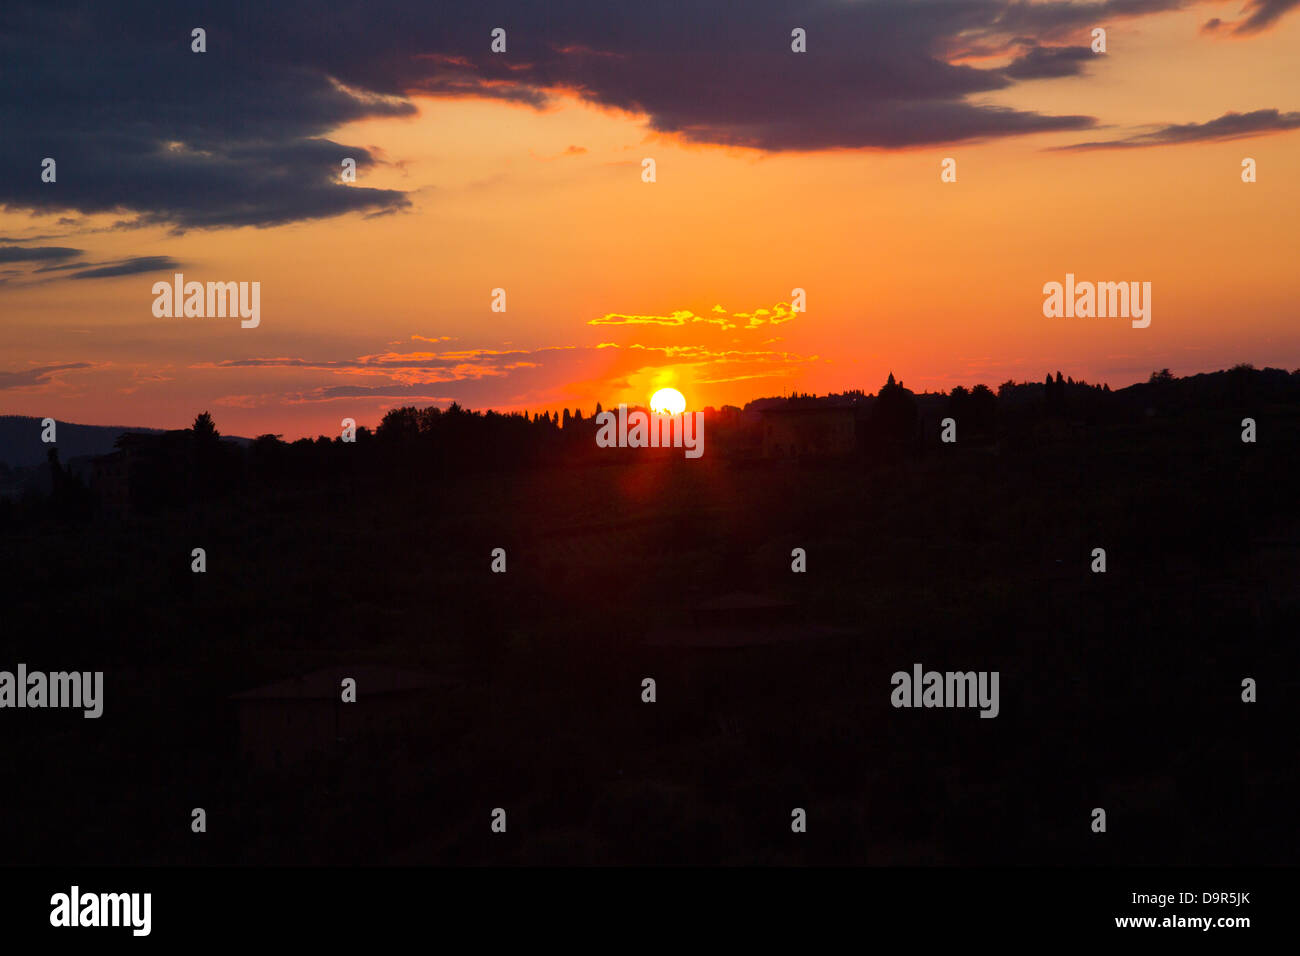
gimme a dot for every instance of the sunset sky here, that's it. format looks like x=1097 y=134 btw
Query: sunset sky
x=523 y=171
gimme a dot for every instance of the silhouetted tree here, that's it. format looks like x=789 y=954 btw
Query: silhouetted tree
x=56 y=470
x=1243 y=384
x=959 y=403
x=1054 y=394
x=894 y=415
x=205 y=431
x=983 y=409
x=210 y=469
x=399 y=425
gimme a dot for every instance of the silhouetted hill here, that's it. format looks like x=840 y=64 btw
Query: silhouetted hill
x=21 y=445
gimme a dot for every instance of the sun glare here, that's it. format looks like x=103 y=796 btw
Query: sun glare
x=668 y=401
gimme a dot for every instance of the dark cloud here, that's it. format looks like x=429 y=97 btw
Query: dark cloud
x=35 y=253
x=1227 y=126
x=137 y=122
x=238 y=135
x=377 y=391
x=1262 y=15
x=31 y=377
x=1045 y=62
x=128 y=267
x=56 y=256
x=1052 y=20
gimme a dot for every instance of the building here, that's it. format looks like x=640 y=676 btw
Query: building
x=284 y=722
x=144 y=464
x=809 y=431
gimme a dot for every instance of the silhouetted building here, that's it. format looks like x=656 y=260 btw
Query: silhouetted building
x=147 y=468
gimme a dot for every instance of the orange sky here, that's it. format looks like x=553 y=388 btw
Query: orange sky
x=940 y=283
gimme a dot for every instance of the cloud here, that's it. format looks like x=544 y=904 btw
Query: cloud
x=1043 y=62
x=239 y=135
x=137 y=122
x=34 y=377
x=1057 y=17
x=680 y=317
x=35 y=253
x=55 y=256
x=128 y=267
x=779 y=313
x=1226 y=127
x=8 y=239
x=1263 y=14
x=64 y=266
x=384 y=361
x=500 y=378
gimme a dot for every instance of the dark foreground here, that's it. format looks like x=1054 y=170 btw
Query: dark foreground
x=1120 y=691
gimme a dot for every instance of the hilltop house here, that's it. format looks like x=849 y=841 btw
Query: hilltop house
x=142 y=460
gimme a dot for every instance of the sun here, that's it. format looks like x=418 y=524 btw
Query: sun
x=668 y=401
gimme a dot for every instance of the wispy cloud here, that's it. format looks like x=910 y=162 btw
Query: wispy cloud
x=36 y=253
x=38 y=377
x=1260 y=15
x=1226 y=127
x=128 y=267
x=463 y=374
x=718 y=316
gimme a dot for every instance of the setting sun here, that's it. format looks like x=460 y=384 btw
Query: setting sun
x=668 y=401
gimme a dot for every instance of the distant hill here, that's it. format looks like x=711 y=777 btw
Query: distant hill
x=21 y=445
